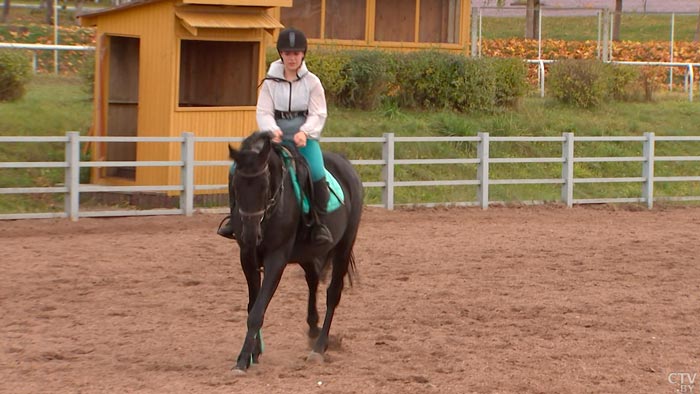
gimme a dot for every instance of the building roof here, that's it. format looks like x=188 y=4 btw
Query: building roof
x=88 y=18
x=194 y=20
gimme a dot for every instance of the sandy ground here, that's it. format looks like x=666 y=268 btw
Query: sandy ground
x=507 y=300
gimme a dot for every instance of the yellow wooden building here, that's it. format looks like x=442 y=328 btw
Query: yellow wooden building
x=385 y=24
x=168 y=66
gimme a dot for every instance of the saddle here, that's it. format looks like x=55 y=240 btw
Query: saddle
x=300 y=176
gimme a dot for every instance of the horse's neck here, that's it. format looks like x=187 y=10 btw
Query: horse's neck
x=276 y=169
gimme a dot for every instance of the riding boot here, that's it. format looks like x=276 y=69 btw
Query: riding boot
x=319 y=233
x=226 y=230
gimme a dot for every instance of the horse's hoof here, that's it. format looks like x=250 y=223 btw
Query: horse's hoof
x=315 y=358
x=238 y=372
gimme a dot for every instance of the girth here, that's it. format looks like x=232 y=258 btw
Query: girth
x=289 y=114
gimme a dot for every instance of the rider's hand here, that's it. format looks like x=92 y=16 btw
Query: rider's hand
x=276 y=136
x=300 y=139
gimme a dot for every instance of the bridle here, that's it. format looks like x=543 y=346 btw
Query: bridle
x=272 y=201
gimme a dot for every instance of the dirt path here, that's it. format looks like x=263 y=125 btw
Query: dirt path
x=508 y=300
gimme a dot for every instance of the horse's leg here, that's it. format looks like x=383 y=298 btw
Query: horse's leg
x=312 y=312
x=252 y=276
x=274 y=267
x=333 y=293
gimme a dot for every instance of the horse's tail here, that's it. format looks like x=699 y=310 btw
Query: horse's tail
x=352 y=186
x=352 y=269
x=346 y=259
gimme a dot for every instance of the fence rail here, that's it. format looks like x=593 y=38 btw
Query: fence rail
x=45 y=47
x=72 y=188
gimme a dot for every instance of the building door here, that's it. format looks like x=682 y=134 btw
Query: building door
x=122 y=103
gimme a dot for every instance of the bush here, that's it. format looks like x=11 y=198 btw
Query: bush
x=330 y=67
x=650 y=79
x=15 y=73
x=439 y=80
x=582 y=83
x=366 y=79
x=86 y=72
x=511 y=81
x=479 y=83
x=426 y=80
x=624 y=83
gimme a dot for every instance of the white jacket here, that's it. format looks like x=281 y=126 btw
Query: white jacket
x=304 y=94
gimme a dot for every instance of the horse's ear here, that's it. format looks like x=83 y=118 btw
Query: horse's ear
x=233 y=153
x=265 y=150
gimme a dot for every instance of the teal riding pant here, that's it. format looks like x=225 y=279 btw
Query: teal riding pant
x=311 y=152
x=314 y=156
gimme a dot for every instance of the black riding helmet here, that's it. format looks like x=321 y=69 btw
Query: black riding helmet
x=291 y=39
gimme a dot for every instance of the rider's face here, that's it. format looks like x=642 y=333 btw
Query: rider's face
x=292 y=59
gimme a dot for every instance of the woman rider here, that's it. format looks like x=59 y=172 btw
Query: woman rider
x=292 y=106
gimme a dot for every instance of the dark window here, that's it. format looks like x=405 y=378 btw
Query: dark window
x=395 y=20
x=345 y=19
x=439 y=21
x=304 y=15
x=218 y=73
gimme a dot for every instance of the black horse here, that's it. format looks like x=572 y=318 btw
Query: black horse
x=271 y=231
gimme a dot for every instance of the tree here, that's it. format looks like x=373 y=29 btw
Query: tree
x=617 y=20
x=79 y=6
x=48 y=16
x=5 y=11
x=696 y=36
x=532 y=18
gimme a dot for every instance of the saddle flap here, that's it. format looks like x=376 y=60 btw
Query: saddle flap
x=301 y=180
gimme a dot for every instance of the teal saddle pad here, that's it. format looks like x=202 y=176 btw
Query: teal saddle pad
x=336 y=192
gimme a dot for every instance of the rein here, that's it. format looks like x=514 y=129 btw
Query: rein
x=254 y=174
x=272 y=201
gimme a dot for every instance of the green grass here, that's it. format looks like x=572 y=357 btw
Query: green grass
x=52 y=106
x=634 y=27
x=669 y=115
x=55 y=105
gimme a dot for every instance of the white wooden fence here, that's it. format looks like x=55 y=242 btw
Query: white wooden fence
x=72 y=188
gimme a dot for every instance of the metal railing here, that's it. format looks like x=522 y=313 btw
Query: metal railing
x=688 y=78
x=72 y=187
x=46 y=47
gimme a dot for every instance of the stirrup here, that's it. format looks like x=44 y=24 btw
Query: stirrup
x=226 y=230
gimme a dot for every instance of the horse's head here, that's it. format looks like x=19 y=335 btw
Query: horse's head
x=251 y=183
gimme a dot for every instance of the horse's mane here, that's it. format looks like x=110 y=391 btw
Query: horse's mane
x=255 y=141
x=250 y=149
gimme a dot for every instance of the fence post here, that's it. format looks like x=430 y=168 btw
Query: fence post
x=648 y=170
x=72 y=175
x=689 y=79
x=475 y=20
x=388 y=171
x=540 y=74
x=567 y=170
x=605 y=52
x=670 y=69
x=483 y=170
x=187 y=173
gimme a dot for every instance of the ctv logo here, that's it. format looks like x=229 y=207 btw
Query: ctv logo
x=685 y=381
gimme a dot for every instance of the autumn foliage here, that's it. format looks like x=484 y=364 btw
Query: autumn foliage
x=648 y=51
